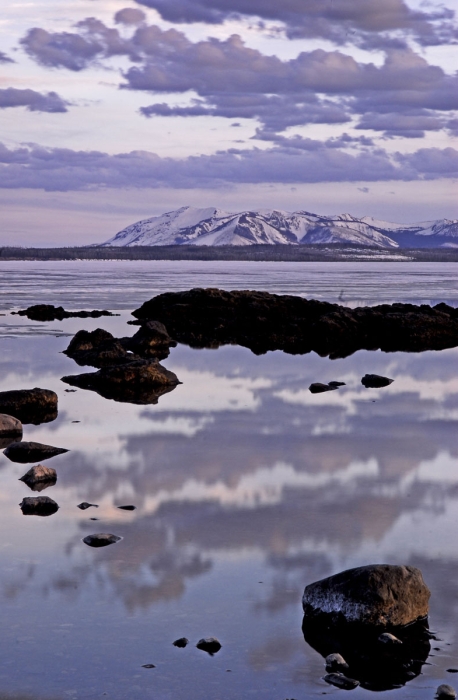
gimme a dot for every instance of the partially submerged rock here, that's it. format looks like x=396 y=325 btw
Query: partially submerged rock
x=24 y=452
x=48 y=312
x=319 y=388
x=380 y=594
x=341 y=681
x=127 y=507
x=38 y=505
x=375 y=381
x=151 y=340
x=39 y=477
x=30 y=405
x=9 y=426
x=97 y=348
x=210 y=644
x=102 y=539
x=139 y=382
x=263 y=321
x=336 y=662
x=388 y=638
x=85 y=505
x=181 y=643
x=445 y=692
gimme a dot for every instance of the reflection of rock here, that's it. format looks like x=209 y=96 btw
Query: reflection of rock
x=374 y=665
x=39 y=477
x=378 y=594
x=30 y=405
x=210 y=644
x=262 y=322
x=341 y=681
x=38 y=505
x=139 y=382
x=102 y=539
x=9 y=426
x=48 y=312
x=375 y=381
x=24 y=452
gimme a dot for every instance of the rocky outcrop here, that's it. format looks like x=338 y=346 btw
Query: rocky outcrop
x=263 y=321
x=102 y=539
x=24 y=452
x=381 y=594
x=38 y=505
x=30 y=405
x=48 y=312
x=39 y=477
x=138 y=382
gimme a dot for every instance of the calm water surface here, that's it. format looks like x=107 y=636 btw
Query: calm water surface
x=247 y=488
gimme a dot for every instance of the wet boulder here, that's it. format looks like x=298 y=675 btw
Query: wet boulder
x=39 y=477
x=380 y=594
x=97 y=348
x=102 y=539
x=24 y=452
x=209 y=644
x=139 y=382
x=375 y=381
x=38 y=505
x=30 y=405
x=151 y=340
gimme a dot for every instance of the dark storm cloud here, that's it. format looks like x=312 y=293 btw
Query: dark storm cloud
x=32 y=100
x=64 y=169
x=344 y=21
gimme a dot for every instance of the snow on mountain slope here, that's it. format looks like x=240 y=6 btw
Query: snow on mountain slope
x=214 y=227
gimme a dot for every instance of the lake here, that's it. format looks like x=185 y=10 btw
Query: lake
x=246 y=486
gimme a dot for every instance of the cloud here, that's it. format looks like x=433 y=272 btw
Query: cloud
x=34 y=101
x=33 y=166
x=345 y=21
x=129 y=16
x=4 y=58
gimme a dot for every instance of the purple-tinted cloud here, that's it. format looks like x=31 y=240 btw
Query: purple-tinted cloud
x=4 y=58
x=129 y=16
x=32 y=100
x=64 y=169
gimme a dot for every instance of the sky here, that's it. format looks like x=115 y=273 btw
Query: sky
x=116 y=110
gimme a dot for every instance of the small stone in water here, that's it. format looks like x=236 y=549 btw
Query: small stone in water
x=341 y=681
x=38 y=505
x=319 y=388
x=375 y=381
x=84 y=505
x=70 y=391
x=452 y=670
x=336 y=384
x=387 y=638
x=127 y=507
x=181 y=643
x=445 y=691
x=336 y=662
x=148 y=666
x=210 y=644
x=102 y=539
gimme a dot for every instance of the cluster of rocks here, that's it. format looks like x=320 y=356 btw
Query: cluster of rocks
x=370 y=381
x=48 y=312
x=263 y=321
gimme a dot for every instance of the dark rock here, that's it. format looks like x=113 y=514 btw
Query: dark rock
x=6 y=441
x=379 y=595
x=151 y=340
x=85 y=505
x=341 y=681
x=127 y=507
x=376 y=666
x=181 y=643
x=39 y=477
x=48 y=312
x=210 y=644
x=336 y=384
x=374 y=381
x=387 y=638
x=10 y=426
x=139 y=382
x=263 y=321
x=102 y=539
x=148 y=666
x=318 y=388
x=452 y=670
x=336 y=662
x=38 y=505
x=97 y=349
x=445 y=691
x=30 y=405
x=24 y=452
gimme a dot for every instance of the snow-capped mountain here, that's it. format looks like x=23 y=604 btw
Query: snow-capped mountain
x=214 y=227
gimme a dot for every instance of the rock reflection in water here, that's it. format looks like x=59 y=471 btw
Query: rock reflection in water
x=376 y=665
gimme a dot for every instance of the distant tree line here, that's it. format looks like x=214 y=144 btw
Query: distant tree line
x=281 y=253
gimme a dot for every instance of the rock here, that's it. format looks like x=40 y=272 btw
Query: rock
x=38 y=505
x=181 y=643
x=380 y=594
x=127 y=507
x=23 y=452
x=151 y=340
x=39 y=478
x=139 y=382
x=102 y=539
x=48 y=312
x=336 y=384
x=387 y=638
x=85 y=505
x=445 y=691
x=30 y=405
x=210 y=644
x=97 y=349
x=341 y=681
x=374 y=381
x=148 y=666
x=6 y=441
x=10 y=426
x=263 y=322
x=318 y=388
x=336 y=662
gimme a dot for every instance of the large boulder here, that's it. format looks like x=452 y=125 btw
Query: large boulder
x=139 y=382
x=25 y=452
x=30 y=405
x=380 y=594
